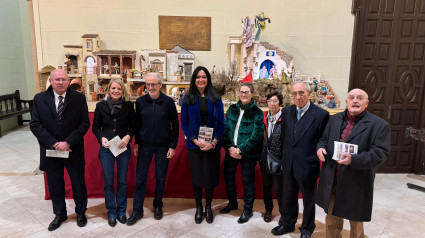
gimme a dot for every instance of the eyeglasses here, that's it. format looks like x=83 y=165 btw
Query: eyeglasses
x=244 y=92
x=151 y=84
x=275 y=101
x=301 y=93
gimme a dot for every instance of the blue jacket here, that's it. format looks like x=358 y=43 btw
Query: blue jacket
x=191 y=121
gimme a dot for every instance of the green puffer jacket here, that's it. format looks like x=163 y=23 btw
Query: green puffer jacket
x=251 y=130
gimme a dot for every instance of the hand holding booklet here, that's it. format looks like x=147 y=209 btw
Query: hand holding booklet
x=57 y=154
x=340 y=148
x=114 y=143
x=205 y=134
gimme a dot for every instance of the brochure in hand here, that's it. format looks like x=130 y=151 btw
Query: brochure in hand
x=205 y=134
x=114 y=142
x=340 y=148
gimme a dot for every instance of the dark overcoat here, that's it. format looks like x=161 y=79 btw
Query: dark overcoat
x=354 y=189
x=300 y=139
x=45 y=127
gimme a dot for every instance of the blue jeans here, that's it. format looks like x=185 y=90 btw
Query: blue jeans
x=144 y=159
x=107 y=159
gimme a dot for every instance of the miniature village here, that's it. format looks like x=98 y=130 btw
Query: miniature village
x=267 y=67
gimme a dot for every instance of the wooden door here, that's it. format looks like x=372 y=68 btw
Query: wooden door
x=388 y=62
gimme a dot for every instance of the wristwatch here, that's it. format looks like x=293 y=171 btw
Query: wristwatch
x=238 y=151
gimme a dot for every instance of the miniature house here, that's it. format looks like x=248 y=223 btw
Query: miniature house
x=257 y=56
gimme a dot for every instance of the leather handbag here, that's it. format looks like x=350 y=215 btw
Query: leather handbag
x=273 y=164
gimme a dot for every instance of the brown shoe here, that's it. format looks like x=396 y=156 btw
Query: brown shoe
x=268 y=216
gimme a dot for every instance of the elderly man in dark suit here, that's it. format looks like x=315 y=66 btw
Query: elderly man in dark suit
x=59 y=121
x=346 y=186
x=302 y=126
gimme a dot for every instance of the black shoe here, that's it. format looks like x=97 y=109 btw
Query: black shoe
x=112 y=221
x=158 y=213
x=134 y=218
x=229 y=207
x=244 y=217
x=305 y=236
x=199 y=215
x=280 y=230
x=268 y=216
x=280 y=221
x=81 y=220
x=209 y=215
x=56 y=223
x=122 y=219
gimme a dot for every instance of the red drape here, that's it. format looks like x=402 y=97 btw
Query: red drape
x=179 y=180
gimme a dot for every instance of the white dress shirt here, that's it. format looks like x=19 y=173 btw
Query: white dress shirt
x=57 y=99
x=305 y=108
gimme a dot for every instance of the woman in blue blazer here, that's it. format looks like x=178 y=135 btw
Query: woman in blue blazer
x=202 y=106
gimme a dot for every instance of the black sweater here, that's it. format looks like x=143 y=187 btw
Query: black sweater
x=109 y=126
x=157 y=122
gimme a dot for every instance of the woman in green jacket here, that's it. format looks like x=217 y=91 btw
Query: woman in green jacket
x=242 y=140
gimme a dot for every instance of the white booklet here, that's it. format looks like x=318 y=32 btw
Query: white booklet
x=113 y=143
x=57 y=154
x=205 y=134
x=340 y=148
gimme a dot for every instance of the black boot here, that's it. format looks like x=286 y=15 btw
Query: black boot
x=208 y=214
x=199 y=214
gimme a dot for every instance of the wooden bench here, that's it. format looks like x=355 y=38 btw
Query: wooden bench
x=12 y=105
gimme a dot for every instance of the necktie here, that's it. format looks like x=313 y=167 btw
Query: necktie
x=300 y=111
x=60 y=110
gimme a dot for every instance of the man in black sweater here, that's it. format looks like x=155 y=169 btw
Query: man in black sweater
x=157 y=134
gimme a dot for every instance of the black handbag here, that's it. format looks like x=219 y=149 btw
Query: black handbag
x=273 y=164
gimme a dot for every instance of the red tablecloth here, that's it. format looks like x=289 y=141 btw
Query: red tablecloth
x=179 y=180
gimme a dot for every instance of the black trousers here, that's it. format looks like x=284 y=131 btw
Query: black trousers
x=197 y=191
x=56 y=185
x=144 y=159
x=248 y=176
x=271 y=182
x=291 y=187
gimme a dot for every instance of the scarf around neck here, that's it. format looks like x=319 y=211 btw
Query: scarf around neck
x=114 y=106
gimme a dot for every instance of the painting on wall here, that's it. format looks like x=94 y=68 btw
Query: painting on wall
x=192 y=33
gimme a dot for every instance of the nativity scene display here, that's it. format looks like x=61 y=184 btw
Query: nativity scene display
x=269 y=68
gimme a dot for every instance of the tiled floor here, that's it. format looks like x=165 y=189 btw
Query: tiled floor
x=398 y=211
